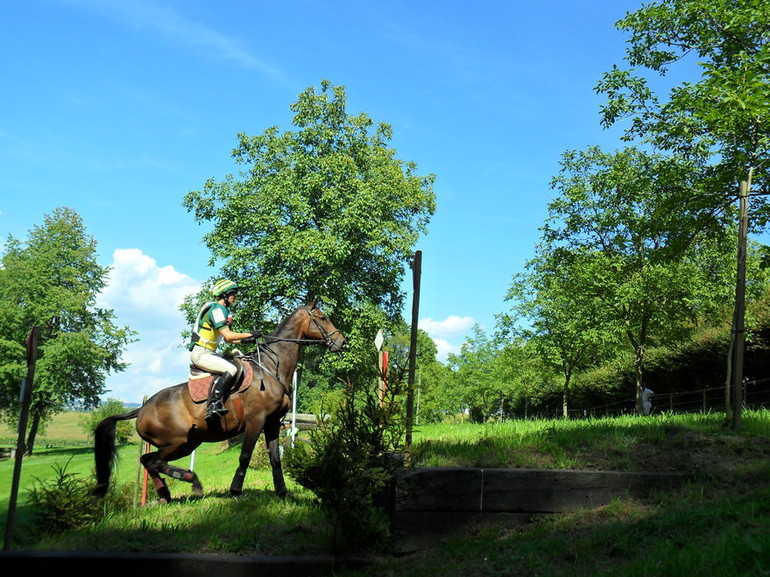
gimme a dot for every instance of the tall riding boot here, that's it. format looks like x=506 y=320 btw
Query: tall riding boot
x=216 y=406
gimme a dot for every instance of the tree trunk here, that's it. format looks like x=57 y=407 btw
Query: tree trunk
x=638 y=375
x=565 y=396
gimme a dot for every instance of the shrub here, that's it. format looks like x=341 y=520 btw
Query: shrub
x=349 y=464
x=124 y=429
x=66 y=502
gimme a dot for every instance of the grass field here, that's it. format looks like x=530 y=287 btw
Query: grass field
x=718 y=525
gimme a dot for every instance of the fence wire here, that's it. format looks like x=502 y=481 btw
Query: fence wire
x=756 y=394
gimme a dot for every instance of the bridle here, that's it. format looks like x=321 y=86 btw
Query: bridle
x=328 y=339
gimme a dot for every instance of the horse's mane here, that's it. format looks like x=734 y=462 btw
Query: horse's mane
x=289 y=318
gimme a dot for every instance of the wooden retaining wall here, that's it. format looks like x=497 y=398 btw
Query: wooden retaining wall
x=431 y=503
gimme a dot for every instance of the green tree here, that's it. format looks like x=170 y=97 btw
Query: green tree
x=631 y=226
x=397 y=345
x=52 y=281
x=480 y=384
x=724 y=115
x=432 y=378
x=124 y=430
x=326 y=210
x=557 y=317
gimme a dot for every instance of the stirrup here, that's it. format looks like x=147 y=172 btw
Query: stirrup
x=216 y=409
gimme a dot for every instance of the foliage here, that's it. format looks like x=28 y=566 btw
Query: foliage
x=326 y=210
x=726 y=112
x=631 y=253
x=484 y=381
x=433 y=381
x=562 y=321
x=434 y=400
x=52 y=282
x=350 y=462
x=65 y=502
x=124 y=430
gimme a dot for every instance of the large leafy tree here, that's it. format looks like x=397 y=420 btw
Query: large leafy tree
x=724 y=114
x=52 y=281
x=630 y=228
x=559 y=319
x=325 y=210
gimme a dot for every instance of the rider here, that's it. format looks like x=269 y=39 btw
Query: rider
x=212 y=326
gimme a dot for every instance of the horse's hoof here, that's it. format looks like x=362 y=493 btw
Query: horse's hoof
x=157 y=502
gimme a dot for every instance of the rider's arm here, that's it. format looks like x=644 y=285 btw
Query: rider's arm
x=231 y=336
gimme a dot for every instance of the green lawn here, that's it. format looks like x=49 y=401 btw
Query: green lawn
x=717 y=525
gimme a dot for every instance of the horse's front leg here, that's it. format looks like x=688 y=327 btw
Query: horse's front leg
x=272 y=433
x=247 y=448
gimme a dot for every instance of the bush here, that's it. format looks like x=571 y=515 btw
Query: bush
x=124 y=429
x=349 y=464
x=66 y=502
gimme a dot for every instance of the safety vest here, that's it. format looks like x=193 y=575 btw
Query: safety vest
x=212 y=317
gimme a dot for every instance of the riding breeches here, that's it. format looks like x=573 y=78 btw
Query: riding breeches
x=207 y=360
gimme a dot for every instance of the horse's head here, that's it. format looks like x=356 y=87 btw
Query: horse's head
x=320 y=328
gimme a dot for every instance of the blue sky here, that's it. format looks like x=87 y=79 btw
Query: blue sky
x=117 y=109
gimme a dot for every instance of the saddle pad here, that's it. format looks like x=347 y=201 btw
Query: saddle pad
x=199 y=387
x=199 y=383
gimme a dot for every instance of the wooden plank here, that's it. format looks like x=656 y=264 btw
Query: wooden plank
x=548 y=491
x=438 y=489
x=432 y=503
x=518 y=490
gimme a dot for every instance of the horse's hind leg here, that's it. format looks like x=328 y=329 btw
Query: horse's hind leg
x=187 y=475
x=156 y=466
x=152 y=464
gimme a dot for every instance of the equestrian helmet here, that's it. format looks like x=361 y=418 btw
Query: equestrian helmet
x=223 y=287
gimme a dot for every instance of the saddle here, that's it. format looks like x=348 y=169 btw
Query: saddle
x=200 y=382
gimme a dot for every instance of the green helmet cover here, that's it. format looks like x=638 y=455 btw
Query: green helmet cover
x=223 y=286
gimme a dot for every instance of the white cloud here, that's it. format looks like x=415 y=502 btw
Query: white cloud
x=169 y=24
x=448 y=334
x=141 y=290
x=452 y=326
x=444 y=348
x=146 y=297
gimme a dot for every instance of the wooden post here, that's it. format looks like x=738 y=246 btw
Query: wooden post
x=25 y=397
x=384 y=355
x=140 y=470
x=144 y=476
x=739 y=330
x=416 y=271
x=378 y=341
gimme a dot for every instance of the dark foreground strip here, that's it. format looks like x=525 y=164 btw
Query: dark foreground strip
x=85 y=564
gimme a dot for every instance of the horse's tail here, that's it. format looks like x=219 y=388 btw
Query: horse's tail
x=105 y=450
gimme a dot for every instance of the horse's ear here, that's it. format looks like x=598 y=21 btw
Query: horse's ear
x=312 y=302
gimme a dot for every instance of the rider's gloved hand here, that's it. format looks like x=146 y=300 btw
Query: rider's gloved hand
x=252 y=338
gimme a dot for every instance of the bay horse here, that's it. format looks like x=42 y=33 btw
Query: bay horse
x=175 y=424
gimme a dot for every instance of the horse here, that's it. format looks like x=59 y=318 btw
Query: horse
x=174 y=423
